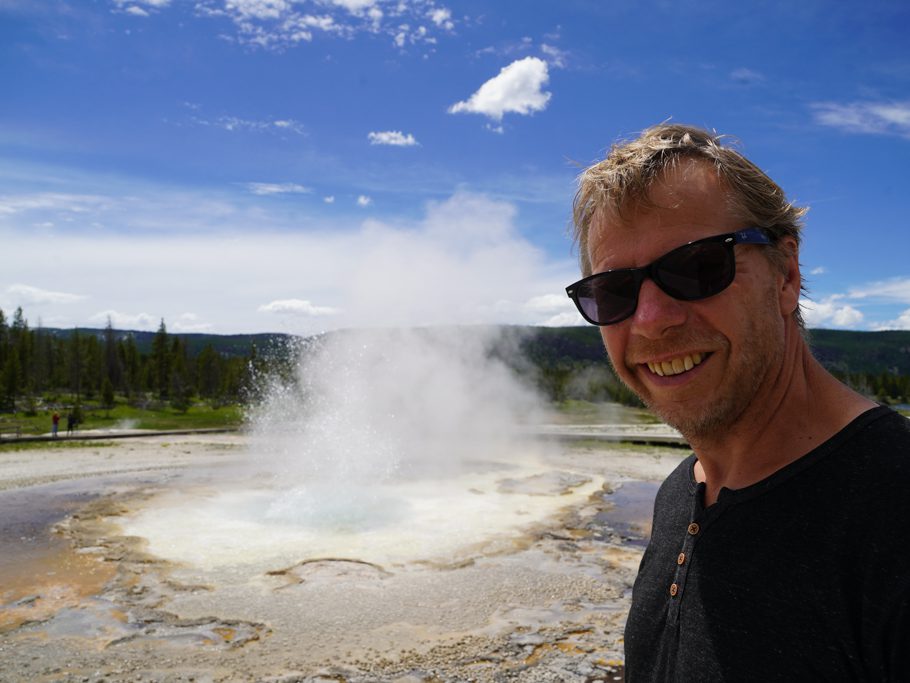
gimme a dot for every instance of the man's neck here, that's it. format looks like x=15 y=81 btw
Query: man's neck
x=799 y=409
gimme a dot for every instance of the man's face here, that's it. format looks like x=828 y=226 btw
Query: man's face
x=698 y=364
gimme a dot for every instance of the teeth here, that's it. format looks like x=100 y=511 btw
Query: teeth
x=676 y=365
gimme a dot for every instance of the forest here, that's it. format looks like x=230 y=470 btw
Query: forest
x=69 y=368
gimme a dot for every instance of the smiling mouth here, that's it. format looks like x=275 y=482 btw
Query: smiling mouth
x=676 y=366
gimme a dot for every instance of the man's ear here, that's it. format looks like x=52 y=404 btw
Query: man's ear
x=791 y=285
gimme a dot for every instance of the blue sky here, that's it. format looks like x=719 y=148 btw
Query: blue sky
x=297 y=166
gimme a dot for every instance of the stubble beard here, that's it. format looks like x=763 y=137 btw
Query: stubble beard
x=707 y=417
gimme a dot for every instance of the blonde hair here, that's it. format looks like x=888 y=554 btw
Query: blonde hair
x=622 y=181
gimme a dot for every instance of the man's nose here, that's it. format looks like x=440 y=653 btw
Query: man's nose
x=656 y=312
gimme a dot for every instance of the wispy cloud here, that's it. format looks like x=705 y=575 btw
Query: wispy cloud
x=555 y=57
x=745 y=76
x=140 y=8
x=895 y=289
x=882 y=118
x=820 y=270
x=363 y=200
x=518 y=88
x=280 y=24
x=264 y=189
x=298 y=307
x=236 y=123
x=26 y=294
x=394 y=138
x=59 y=203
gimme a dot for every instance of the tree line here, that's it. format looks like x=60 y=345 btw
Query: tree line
x=72 y=366
x=75 y=366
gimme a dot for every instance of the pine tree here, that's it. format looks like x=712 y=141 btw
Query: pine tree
x=75 y=362
x=131 y=364
x=113 y=368
x=181 y=385
x=161 y=362
x=107 y=393
x=10 y=383
x=209 y=372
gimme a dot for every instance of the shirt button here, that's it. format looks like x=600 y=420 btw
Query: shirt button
x=674 y=589
x=681 y=558
x=693 y=529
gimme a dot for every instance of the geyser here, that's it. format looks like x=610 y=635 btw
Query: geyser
x=387 y=446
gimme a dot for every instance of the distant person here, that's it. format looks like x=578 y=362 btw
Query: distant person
x=70 y=423
x=780 y=548
x=55 y=423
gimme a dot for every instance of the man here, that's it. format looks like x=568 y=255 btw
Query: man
x=780 y=549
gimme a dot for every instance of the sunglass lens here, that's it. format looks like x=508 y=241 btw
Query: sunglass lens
x=609 y=298
x=696 y=271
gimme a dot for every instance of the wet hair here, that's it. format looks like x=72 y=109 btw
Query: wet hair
x=621 y=183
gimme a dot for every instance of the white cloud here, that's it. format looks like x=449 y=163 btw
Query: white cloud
x=516 y=89
x=354 y=6
x=277 y=188
x=57 y=202
x=883 y=118
x=549 y=303
x=820 y=270
x=558 y=309
x=829 y=311
x=139 y=4
x=126 y=321
x=363 y=200
x=566 y=319
x=902 y=322
x=235 y=123
x=136 y=11
x=442 y=17
x=392 y=137
x=329 y=199
x=300 y=307
x=189 y=322
x=257 y=9
x=555 y=57
x=278 y=24
x=896 y=289
x=25 y=294
x=178 y=251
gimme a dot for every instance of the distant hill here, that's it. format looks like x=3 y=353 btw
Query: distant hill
x=228 y=345
x=839 y=350
x=863 y=352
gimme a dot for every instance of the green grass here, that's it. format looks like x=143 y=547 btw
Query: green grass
x=586 y=412
x=12 y=446
x=128 y=417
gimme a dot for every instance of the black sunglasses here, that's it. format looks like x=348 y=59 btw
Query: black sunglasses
x=691 y=272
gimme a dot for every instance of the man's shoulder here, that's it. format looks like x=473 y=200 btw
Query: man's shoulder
x=678 y=486
x=879 y=437
x=873 y=462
